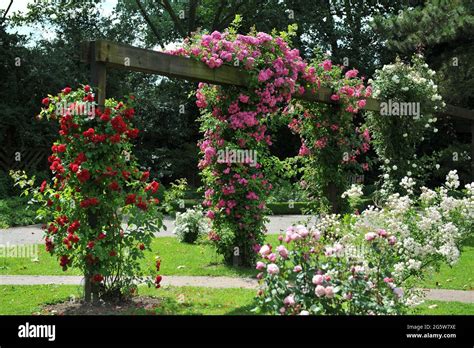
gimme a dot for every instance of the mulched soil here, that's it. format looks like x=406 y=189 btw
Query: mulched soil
x=140 y=305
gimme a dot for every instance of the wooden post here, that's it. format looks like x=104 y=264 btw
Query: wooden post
x=98 y=74
x=98 y=82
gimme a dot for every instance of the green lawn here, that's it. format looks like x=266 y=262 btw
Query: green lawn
x=177 y=259
x=176 y=300
x=460 y=277
x=201 y=260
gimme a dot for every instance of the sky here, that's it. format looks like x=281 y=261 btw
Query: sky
x=38 y=32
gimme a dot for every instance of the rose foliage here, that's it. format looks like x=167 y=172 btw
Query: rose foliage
x=239 y=118
x=97 y=185
x=370 y=263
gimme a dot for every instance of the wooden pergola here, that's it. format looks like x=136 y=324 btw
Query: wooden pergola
x=103 y=55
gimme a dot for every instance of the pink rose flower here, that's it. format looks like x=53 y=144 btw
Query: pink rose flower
x=320 y=291
x=329 y=292
x=327 y=65
x=273 y=269
x=382 y=233
x=392 y=240
x=351 y=73
x=260 y=265
x=265 y=250
x=370 y=236
x=297 y=269
x=289 y=300
x=282 y=251
x=272 y=257
x=318 y=279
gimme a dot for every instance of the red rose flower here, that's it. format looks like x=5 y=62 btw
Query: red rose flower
x=43 y=186
x=101 y=236
x=67 y=90
x=153 y=186
x=89 y=133
x=87 y=88
x=97 y=278
x=114 y=139
x=158 y=281
x=81 y=158
x=90 y=245
x=114 y=186
x=130 y=198
x=145 y=176
x=64 y=261
x=105 y=117
x=118 y=124
x=158 y=265
x=132 y=133
x=113 y=253
x=142 y=204
x=61 y=148
x=141 y=246
x=52 y=229
x=45 y=101
x=129 y=113
x=83 y=175
x=125 y=174
x=74 y=167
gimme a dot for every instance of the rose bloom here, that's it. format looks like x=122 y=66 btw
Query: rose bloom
x=282 y=251
x=272 y=257
x=318 y=279
x=273 y=269
x=329 y=292
x=382 y=233
x=392 y=240
x=320 y=291
x=289 y=300
x=302 y=230
x=264 y=250
x=260 y=265
x=370 y=236
x=297 y=269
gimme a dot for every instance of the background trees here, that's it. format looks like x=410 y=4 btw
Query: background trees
x=342 y=27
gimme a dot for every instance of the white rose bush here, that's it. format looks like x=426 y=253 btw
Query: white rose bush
x=369 y=263
x=409 y=100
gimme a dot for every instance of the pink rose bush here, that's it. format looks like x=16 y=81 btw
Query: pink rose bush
x=332 y=148
x=239 y=119
x=369 y=263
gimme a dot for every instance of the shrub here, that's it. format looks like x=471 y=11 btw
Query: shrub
x=191 y=225
x=16 y=211
x=369 y=263
x=96 y=184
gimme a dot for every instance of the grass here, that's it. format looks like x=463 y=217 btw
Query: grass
x=460 y=276
x=201 y=260
x=177 y=259
x=29 y=299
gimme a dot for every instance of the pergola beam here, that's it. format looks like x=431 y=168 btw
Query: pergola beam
x=102 y=54
x=123 y=56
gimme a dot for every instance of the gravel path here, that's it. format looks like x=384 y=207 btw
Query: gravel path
x=34 y=235
x=213 y=282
